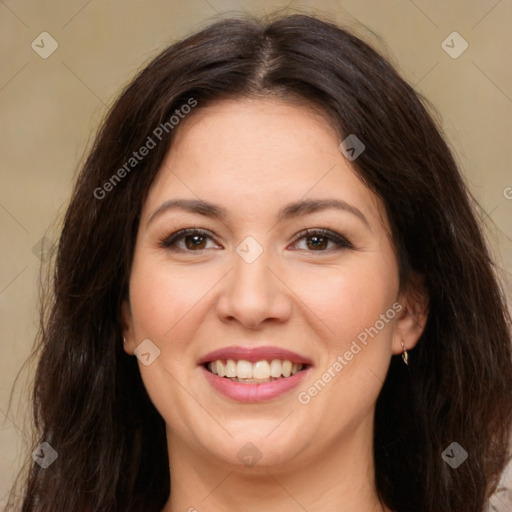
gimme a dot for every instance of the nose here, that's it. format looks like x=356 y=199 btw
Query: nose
x=254 y=294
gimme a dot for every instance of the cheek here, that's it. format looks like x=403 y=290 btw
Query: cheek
x=351 y=298
x=163 y=298
x=350 y=307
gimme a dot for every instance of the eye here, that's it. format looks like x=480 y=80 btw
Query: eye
x=193 y=238
x=318 y=239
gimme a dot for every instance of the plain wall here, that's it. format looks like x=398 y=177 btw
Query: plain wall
x=50 y=108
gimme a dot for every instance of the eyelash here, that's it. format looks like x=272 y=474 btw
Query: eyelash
x=340 y=241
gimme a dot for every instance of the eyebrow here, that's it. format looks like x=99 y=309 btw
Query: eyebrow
x=298 y=208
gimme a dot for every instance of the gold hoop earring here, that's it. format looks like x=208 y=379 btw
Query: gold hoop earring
x=405 y=355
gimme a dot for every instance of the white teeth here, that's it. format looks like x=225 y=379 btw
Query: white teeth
x=287 y=368
x=230 y=368
x=244 y=369
x=260 y=370
x=221 y=369
x=275 y=368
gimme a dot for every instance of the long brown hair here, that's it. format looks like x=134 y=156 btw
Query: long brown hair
x=89 y=401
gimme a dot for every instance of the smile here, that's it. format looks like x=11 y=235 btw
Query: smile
x=254 y=374
x=257 y=372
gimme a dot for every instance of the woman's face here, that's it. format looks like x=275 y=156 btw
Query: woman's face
x=254 y=291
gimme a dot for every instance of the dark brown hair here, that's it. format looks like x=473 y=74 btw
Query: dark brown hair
x=89 y=401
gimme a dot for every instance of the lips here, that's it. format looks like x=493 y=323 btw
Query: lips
x=254 y=354
x=231 y=383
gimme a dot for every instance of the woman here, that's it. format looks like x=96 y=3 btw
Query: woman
x=271 y=293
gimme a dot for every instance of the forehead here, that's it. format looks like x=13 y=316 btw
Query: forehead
x=255 y=155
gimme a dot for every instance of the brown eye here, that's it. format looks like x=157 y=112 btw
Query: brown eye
x=317 y=240
x=194 y=240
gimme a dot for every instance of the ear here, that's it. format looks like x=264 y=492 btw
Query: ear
x=412 y=318
x=129 y=343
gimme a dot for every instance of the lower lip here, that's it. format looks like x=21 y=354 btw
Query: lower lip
x=253 y=392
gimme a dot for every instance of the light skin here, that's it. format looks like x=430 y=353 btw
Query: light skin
x=252 y=157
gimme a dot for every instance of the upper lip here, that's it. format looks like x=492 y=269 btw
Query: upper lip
x=254 y=354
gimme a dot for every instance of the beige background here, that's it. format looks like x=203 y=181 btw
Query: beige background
x=51 y=107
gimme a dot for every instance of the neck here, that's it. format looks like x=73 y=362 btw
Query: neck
x=340 y=478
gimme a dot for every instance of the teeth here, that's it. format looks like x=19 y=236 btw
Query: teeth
x=275 y=368
x=260 y=370
x=243 y=369
x=221 y=369
x=230 y=368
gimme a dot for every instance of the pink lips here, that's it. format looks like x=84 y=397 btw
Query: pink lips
x=254 y=392
x=254 y=354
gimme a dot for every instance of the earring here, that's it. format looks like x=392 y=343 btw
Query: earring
x=124 y=339
x=405 y=355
